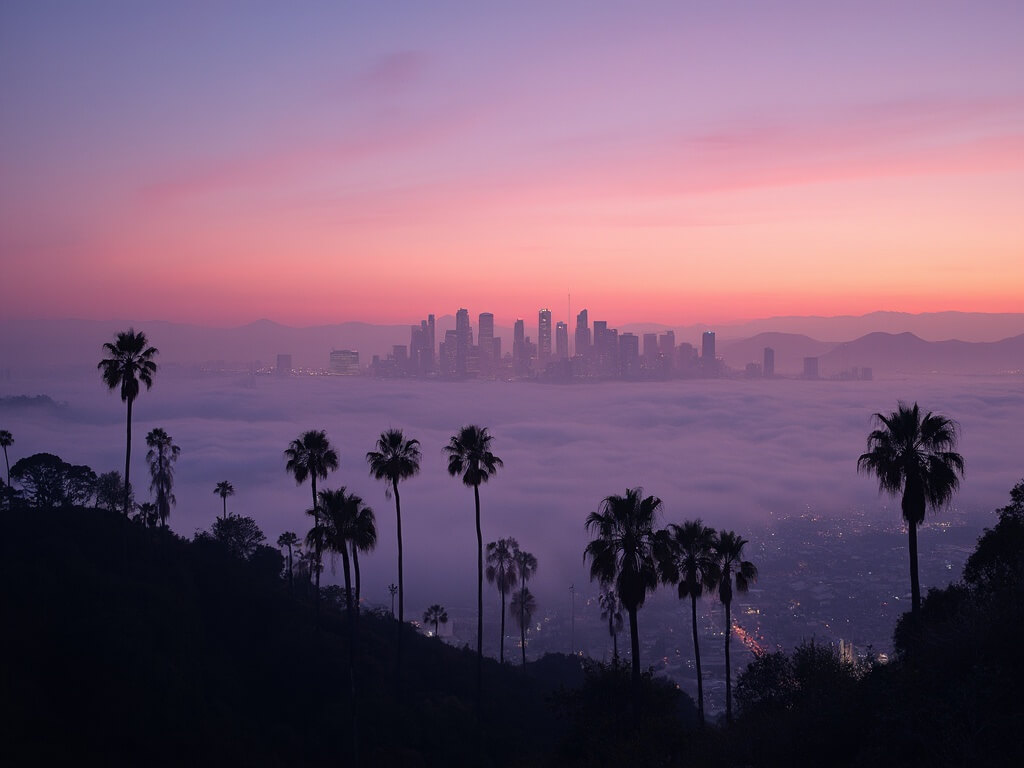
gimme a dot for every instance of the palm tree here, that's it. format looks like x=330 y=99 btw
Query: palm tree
x=435 y=614
x=914 y=456
x=6 y=441
x=147 y=514
x=469 y=455
x=526 y=564
x=686 y=557
x=225 y=489
x=622 y=555
x=611 y=610
x=161 y=457
x=392 y=590
x=523 y=608
x=396 y=459
x=130 y=362
x=362 y=535
x=311 y=455
x=728 y=548
x=289 y=540
x=501 y=571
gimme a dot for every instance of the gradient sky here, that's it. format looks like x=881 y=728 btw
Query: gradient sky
x=684 y=162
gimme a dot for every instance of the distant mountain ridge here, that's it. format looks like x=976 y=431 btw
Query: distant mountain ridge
x=55 y=344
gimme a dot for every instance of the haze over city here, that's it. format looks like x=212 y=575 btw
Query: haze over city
x=689 y=248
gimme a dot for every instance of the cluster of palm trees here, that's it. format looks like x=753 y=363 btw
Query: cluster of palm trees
x=630 y=558
x=911 y=454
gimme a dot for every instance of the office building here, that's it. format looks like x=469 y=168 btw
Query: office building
x=463 y=341
x=485 y=341
x=582 y=340
x=284 y=365
x=562 y=341
x=810 y=367
x=344 y=362
x=543 y=337
x=769 y=362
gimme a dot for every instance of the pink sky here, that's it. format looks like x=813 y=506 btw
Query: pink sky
x=691 y=163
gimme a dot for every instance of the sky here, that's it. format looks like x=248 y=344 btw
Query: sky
x=676 y=162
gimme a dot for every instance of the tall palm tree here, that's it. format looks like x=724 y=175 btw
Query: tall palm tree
x=396 y=459
x=392 y=590
x=333 y=531
x=6 y=441
x=435 y=614
x=501 y=571
x=622 y=555
x=225 y=489
x=915 y=457
x=611 y=611
x=288 y=539
x=161 y=457
x=130 y=363
x=526 y=564
x=732 y=568
x=523 y=607
x=311 y=455
x=686 y=557
x=469 y=455
x=362 y=535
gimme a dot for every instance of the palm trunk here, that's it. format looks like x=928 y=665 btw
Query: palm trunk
x=728 y=666
x=225 y=515
x=522 y=620
x=696 y=656
x=290 y=581
x=501 y=644
x=634 y=642
x=401 y=588
x=128 y=462
x=318 y=553
x=355 y=566
x=615 y=637
x=351 y=655
x=915 y=583
x=8 y=463
x=479 y=605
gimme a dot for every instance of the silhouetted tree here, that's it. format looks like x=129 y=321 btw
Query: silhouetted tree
x=611 y=611
x=435 y=614
x=288 y=539
x=6 y=441
x=914 y=456
x=997 y=563
x=501 y=571
x=241 y=535
x=732 y=568
x=396 y=459
x=526 y=565
x=686 y=558
x=109 y=491
x=363 y=536
x=523 y=607
x=49 y=481
x=469 y=455
x=622 y=555
x=225 y=489
x=161 y=457
x=311 y=455
x=147 y=514
x=130 y=362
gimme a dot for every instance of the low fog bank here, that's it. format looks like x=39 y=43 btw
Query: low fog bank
x=731 y=452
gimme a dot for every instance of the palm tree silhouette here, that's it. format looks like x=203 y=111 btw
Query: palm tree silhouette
x=311 y=455
x=289 y=540
x=623 y=555
x=225 y=489
x=394 y=460
x=148 y=514
x=914 y=456
x=728 y=548
x=611 y=611
x=362 y=536
x=130 y=362
x=161 y=457
x=523 y=608
x=392 y=590
x=6 y=441
x=501 y=571
x=526 y=564
x=686 y=557
x=435 y=614
x=469 y=455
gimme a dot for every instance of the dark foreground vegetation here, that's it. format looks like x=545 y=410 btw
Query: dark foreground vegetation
x=125 y=644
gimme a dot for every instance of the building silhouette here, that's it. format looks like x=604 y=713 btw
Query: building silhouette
x=485 y=342
x=543 y=337
x=582 y=339
x=810 y=367
x=463 y=341
x=284 y=365
x=520 y=352
x=562 y=341
x=344 y=362
x=769 y=362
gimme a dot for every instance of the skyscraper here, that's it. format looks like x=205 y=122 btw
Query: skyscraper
x=543 y=337
x=769 y=362
x=582 y=334
x=650 y=349
x=486 y=343
x=707 y=345
x=562 y=341
x=463 y=340
x=520 y=355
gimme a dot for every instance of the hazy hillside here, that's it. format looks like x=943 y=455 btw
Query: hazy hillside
x=906 y=353
x=790 y=350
